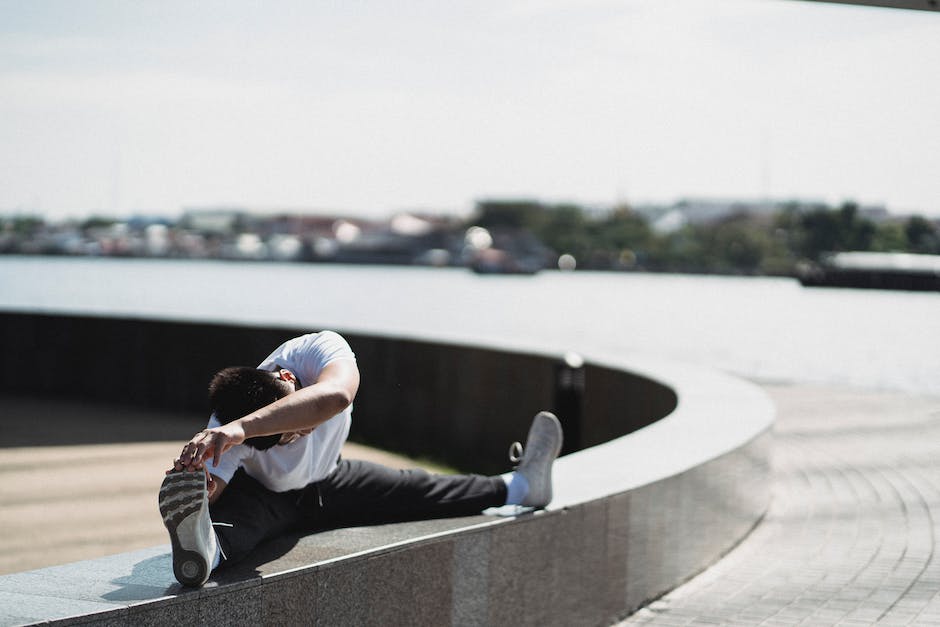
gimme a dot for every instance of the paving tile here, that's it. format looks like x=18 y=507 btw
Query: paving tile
x=854 y=525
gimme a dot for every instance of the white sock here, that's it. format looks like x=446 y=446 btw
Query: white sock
x=517 y=488
x=218 y=555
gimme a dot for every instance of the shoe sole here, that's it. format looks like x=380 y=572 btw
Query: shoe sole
x=547 y=415
x=182 y=496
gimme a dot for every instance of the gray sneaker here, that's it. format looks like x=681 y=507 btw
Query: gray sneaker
x=184 y=504
x=535 y=459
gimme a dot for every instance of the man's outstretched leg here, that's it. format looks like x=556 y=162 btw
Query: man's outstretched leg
x=360 y=492
x=184 y=504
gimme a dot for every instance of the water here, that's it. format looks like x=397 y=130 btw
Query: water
x=760 y=328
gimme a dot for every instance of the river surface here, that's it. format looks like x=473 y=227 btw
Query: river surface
x=765 y=329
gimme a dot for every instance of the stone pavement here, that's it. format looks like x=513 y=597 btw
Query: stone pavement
x=853 y=528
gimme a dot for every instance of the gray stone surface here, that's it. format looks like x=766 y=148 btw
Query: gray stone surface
x=407 y=587
x=239 y=604
x=618 y=552
x=521 y=571
x=172 y=611
x=716 y=414
x=292 y=601
x=554 y=564
x=85 y=587
x=471 y=579
x=851 y=537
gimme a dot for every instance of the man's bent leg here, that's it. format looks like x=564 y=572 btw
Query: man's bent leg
x=361 y=493
x=247 y=513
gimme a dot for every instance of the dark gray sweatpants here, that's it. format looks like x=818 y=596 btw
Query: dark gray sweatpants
x=356 y=493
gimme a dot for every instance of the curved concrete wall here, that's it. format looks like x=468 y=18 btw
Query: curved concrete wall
x=674 y=473
x=461 y=404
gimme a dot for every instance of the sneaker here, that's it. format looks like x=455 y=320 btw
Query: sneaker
x=535 y=459
x=184 y=504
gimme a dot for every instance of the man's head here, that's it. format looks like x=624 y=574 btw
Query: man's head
x=238 y=391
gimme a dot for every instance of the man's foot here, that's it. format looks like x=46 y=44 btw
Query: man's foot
x=184 y=504
x=535 y=460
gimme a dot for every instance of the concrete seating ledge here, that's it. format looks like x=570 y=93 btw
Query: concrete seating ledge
x=632 y=518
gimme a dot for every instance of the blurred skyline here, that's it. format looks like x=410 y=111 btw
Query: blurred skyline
x=118 y=108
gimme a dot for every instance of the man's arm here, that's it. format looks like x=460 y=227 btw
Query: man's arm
x=304 y=409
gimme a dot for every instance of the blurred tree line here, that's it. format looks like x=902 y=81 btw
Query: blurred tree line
x=743 y=242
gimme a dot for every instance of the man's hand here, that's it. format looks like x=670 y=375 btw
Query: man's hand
x=209 y=444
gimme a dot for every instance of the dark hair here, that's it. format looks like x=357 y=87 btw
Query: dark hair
x=236 y=392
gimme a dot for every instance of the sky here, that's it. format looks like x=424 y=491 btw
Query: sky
x=111 y=107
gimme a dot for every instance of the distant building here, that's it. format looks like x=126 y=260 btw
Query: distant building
x=213 y=221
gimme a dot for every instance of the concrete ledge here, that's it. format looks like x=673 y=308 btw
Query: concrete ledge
x=633 y=516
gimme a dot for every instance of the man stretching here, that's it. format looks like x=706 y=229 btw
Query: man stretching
x=269 y=463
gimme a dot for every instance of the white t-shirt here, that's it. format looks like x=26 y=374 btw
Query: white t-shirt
x=312 y=457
